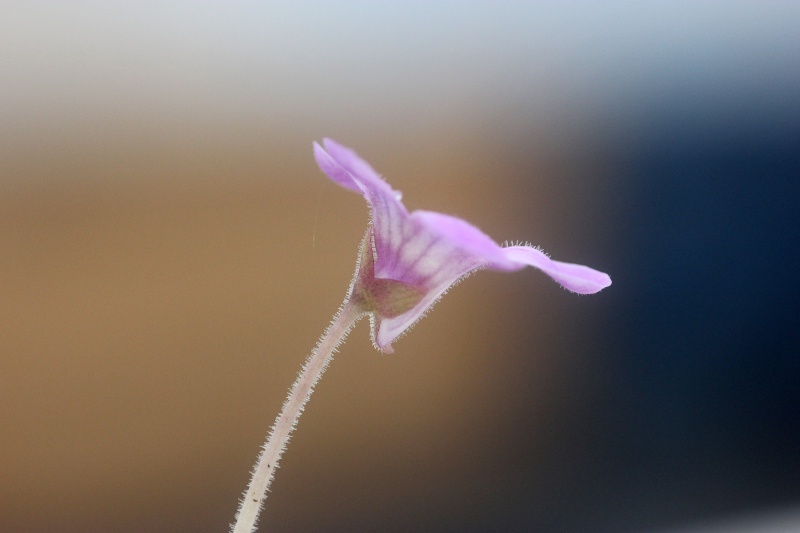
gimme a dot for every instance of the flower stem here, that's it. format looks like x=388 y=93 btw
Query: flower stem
x=301 y=390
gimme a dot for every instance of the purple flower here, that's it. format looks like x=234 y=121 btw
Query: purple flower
x=409 y=260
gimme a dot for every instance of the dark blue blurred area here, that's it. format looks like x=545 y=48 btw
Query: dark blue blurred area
x=705 y=416
x=695 y=413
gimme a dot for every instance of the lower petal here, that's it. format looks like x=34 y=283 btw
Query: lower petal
x=576 y=278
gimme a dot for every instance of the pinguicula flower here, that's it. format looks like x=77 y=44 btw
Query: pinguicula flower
x=407 y=261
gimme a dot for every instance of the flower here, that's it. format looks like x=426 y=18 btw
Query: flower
x=409 y=260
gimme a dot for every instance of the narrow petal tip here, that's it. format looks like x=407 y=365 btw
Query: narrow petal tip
x=590 y=282
x=333 y=169
x=576 y=278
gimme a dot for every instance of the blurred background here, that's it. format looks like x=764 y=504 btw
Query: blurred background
x=171 y=253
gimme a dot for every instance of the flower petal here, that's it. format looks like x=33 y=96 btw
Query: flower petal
x=437 y=251
x=351 y=161
x=417 y=257
x=334 y=170
x=466 y=237
x=390 y=218
x=576 y=278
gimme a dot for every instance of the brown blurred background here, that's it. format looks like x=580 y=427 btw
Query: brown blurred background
x=171 y=254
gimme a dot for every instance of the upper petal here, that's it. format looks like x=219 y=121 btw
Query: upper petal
x=346 y=168
x=334 y=170
x=351 y=161
x=390 y=218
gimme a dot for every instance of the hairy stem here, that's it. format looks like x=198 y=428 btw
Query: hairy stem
x=301 y=390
